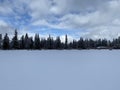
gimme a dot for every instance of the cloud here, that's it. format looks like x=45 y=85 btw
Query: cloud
x=87 y=18
x=5 y=28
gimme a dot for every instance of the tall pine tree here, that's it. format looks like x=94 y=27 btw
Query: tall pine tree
x=0 y=41
x=22 y=42
x=26 y=41
x=66 y=42
x=58 y=43
x=15 y=41
x=49 y=43
x=6 y=42
x=37 y=42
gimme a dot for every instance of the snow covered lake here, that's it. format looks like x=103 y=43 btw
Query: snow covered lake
x=60 y=70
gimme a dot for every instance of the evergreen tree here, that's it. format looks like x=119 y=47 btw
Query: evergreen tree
x=81 y=44
x=0 y=41
x=26 y=41
x=87 y=44
x=110 y=44
x=104 y=42
x=66 y=42
x=43 y=43
x=50 y=42
x=6 y=42
x=92 y=44
x=99 y=42
x=37 y=42
x=58 y=43
x=15 y=41
x=22 y=42
x=74 y=46
x=70 y=45
x=31 y=43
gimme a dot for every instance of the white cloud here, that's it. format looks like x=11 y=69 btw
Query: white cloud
x=95 y=18
x=39 y=9
x=5 y=28
x=2 y=23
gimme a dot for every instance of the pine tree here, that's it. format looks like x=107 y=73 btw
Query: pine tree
x=0 y=41
x=81 y=44
x=37 y=42
x=22 y=42
x=104 y=42
x=99 y=42
x=31 y=43
x=49 y=43
x=26 y=41
x=74 y=44
x=43 y=44
x=66 y=42
x=6 y=42
x=15 y=41
x=92 y=44
x=58 y=43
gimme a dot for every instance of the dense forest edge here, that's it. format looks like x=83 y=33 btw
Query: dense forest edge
x=37 y=43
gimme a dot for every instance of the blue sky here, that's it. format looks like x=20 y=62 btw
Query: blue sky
x=77 y=18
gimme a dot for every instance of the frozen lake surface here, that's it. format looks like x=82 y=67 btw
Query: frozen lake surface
x=60 y=70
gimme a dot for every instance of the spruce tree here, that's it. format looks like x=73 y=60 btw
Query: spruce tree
x=49 y=42
x=74 y=44
x=15 y=41
x=81 y=44
x=31 y=43
x=66 y=42
x=22 y=42
x=26 y=41
x=6 y=42
x=0 y=41
x=58 y=43
x=37 y=42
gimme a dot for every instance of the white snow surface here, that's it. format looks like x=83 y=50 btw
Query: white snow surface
x=60 y=70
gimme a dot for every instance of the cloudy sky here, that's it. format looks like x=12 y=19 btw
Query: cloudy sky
x=77 y=18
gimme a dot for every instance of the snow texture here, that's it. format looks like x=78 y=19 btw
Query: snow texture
x=60 y=70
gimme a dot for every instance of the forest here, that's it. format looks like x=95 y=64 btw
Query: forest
x=37 y=43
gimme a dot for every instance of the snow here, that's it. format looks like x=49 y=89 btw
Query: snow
x=60 y=70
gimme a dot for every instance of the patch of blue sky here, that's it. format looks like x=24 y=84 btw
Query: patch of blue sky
x=17 y=21
x=53 y=31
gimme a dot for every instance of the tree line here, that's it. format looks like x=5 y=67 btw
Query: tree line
x=37 y=43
